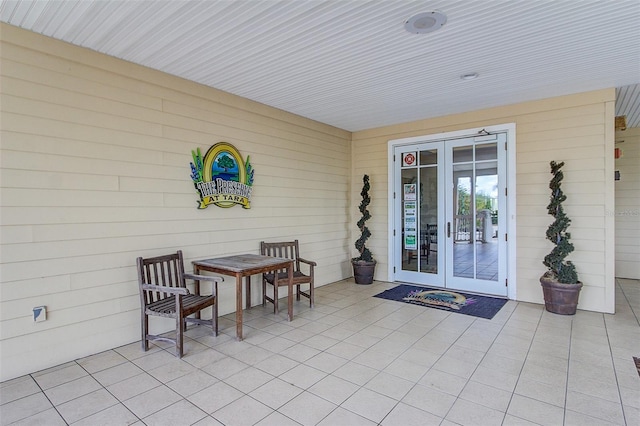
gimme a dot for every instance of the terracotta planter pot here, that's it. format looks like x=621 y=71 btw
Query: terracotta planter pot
x=560 y=298
x=363 y=271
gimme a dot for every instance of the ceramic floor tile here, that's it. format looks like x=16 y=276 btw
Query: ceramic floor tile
x=214 y=397
x=630 y=397
x=248 y=379
x=48 y=417
x=277 y=344
x=300 y=352
x=594 y=387
x=595 y=407
x=118 y=373
x=469 y=413
x=390 y=385
x=253 y=355
x=355 y=373
x=244 y=411
x=277 y=419
x=496 y=378
x=115 y=415
x=444 y=382
x=154 y=360
x=307 y=409
x=326 y=362
x=334 y=389
x=369 y=404
x=86 y=405
x=631 y=415
x=541 y=391
x=430 y=400
x=134 y=350
x=340 y=416
x=535 y=411
x=572 y=418
x=276 y=365
x=224 y=368
x=180 y=413
x=24 y=407
x=406 y=369
x=203 y=358
x=192 y=383
x=320 y=342
x=511 y=420
x=72 y=390
x=303 y=376
x=275 y=393
x=50 y=379
x=374 y=359
x=487 y=396
x=133 y=386
x=101 y=361
x=152 y=401
x=406 y=415
x=20 y=387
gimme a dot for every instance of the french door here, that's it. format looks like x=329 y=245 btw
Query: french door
x=450 y=213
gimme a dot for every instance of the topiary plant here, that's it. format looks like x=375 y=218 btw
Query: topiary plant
x=557 y=268
x=365 y=254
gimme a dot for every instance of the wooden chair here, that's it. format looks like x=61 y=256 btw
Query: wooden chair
x=288 y=250
x=163 y=293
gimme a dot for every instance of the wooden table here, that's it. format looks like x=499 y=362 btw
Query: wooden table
x=245 y=265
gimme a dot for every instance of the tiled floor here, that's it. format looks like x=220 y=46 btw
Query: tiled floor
x=358 y=360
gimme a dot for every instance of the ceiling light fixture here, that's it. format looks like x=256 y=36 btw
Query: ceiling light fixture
x=425 y=22
x=469 y=76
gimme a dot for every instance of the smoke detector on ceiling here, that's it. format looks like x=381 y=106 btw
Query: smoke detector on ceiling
x=425 y=22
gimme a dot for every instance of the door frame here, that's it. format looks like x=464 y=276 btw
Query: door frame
x=510 y=129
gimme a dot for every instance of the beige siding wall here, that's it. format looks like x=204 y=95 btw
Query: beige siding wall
x=576 y=129
x=95 y=171
x=627 y=207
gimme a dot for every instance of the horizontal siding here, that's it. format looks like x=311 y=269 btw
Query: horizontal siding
x=95 y=172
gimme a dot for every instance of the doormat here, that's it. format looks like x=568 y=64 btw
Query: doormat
x=462 y=303
x=637 y=361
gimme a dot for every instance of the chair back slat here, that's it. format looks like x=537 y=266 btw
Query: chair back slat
x=284 y=249
x=165 y=271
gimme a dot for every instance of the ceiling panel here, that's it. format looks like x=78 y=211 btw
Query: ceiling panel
x=351 y=64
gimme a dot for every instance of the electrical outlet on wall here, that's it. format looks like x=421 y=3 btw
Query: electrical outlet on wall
x=39 y=313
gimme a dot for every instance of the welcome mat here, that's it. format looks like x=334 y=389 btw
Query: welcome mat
x=462 y=303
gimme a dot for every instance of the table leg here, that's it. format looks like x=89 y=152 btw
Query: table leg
x=247 y=280
x=239 y=306
x=290 y=297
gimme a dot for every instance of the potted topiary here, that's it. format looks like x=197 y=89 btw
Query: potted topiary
x=560 y=283
x=363 y=265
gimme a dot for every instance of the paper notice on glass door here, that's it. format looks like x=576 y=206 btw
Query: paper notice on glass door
x=410 y=192
x=410 y=230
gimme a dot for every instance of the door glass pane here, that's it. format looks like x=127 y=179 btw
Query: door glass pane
x=488 y=151
x=462 y=154
x=486 y=196
x=428 y=197
x=428 y=157
x=409 y=197
x=475 y=201
x=462 y=226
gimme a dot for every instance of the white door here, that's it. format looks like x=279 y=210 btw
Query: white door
x=450 y=213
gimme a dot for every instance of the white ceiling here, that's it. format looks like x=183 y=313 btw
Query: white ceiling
x=350 y=63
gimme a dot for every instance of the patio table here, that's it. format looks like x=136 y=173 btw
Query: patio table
x=246 y=265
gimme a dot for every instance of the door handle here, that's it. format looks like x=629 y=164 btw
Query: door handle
x=448 y=229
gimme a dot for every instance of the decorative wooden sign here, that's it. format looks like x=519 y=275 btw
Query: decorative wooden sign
x=221 y=177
